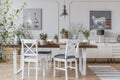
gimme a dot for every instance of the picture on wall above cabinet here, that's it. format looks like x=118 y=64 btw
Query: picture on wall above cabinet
x=32 y=18
x=100 y=19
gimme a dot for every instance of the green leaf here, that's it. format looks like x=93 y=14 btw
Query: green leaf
x=11 y=23
x=1 y=24
x=5 y=12
x=17 y=11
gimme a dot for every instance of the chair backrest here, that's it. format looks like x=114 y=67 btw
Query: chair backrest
x=29 y=47
x=71 y=47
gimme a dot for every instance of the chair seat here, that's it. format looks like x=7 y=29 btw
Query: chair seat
x=62 y=56
x=44 y=52
x=30 y=59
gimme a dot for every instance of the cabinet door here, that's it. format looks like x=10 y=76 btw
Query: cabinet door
x=92 y=53
x=116 y=50
x=104 y=50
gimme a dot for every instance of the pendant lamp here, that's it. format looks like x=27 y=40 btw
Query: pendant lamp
x=64 y=13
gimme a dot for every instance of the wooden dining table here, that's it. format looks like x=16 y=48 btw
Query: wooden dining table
x=15 y=46
x=82 y=55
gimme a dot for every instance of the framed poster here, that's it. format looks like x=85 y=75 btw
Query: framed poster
x=100 y=19
x=32 y=18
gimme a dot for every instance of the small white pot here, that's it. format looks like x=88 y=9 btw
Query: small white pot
x=43 y=42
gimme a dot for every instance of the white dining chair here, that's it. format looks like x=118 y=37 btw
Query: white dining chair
x=29 y=54
x=71 y=49
x=44 y=59
x=45 y=53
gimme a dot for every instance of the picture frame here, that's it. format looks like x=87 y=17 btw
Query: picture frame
x=100 y=19
x=32 y=17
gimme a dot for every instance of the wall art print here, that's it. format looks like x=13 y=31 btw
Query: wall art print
x=33 y=18
x=100 y=19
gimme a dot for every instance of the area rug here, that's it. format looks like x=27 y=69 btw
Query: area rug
x=106 y=72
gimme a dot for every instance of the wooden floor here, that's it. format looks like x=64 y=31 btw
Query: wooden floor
x=6 y=73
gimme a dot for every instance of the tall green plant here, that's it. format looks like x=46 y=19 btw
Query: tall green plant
x=8 y=16
x=21 y=32
x=7 y=20
x=1 y=50
x=85 y=31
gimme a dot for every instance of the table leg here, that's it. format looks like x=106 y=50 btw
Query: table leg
x=14 y=60
x=80 y=60
x=21 y=62
x=84 y=61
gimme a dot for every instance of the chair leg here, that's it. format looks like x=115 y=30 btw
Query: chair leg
x=50 y=59
x=22 y=70
x=36 y=71
x=40 y=64
x=76 y=69
x=44 y=67
x=54 y=69
x=28 y=69
x=59 y=64
x=66 y=73
x=71 y=64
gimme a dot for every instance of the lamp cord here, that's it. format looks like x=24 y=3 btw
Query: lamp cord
x=64 y=2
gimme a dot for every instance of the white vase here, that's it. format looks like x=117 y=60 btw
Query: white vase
x=55 y=41
x=86 y=40
x=43 y=42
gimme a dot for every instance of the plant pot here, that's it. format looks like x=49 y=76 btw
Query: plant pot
x=118 y=38
x=86 y=41
x=55 y=41
x=43 y=42
x=64 y=35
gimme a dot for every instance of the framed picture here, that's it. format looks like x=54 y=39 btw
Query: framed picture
x=32 y=18
x=100 y=19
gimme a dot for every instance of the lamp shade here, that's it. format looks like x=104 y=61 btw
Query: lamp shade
x=100 y=32
x=64 y=11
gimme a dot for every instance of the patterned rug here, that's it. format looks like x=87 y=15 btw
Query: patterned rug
x=106 y=72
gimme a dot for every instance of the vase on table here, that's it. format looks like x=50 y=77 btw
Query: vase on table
x=86 y=41
x=43 y=42
x=118 y=38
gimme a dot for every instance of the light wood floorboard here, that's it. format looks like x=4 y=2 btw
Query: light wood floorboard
x=6 y=73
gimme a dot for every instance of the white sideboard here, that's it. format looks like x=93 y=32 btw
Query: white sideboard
x=104 y=50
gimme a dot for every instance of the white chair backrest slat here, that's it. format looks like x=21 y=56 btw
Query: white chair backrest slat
x=29 y=47
x=71 y=47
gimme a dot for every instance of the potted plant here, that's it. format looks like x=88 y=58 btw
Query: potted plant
x=56 y=38
x=21 y=32
x=1 y=51
x=74 y=30
x=43 y=38
x=8 y=20
x=64 y=33
x=86 y=33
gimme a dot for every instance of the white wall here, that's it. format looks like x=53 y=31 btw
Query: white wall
x=78 y=13
x=49 y=15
